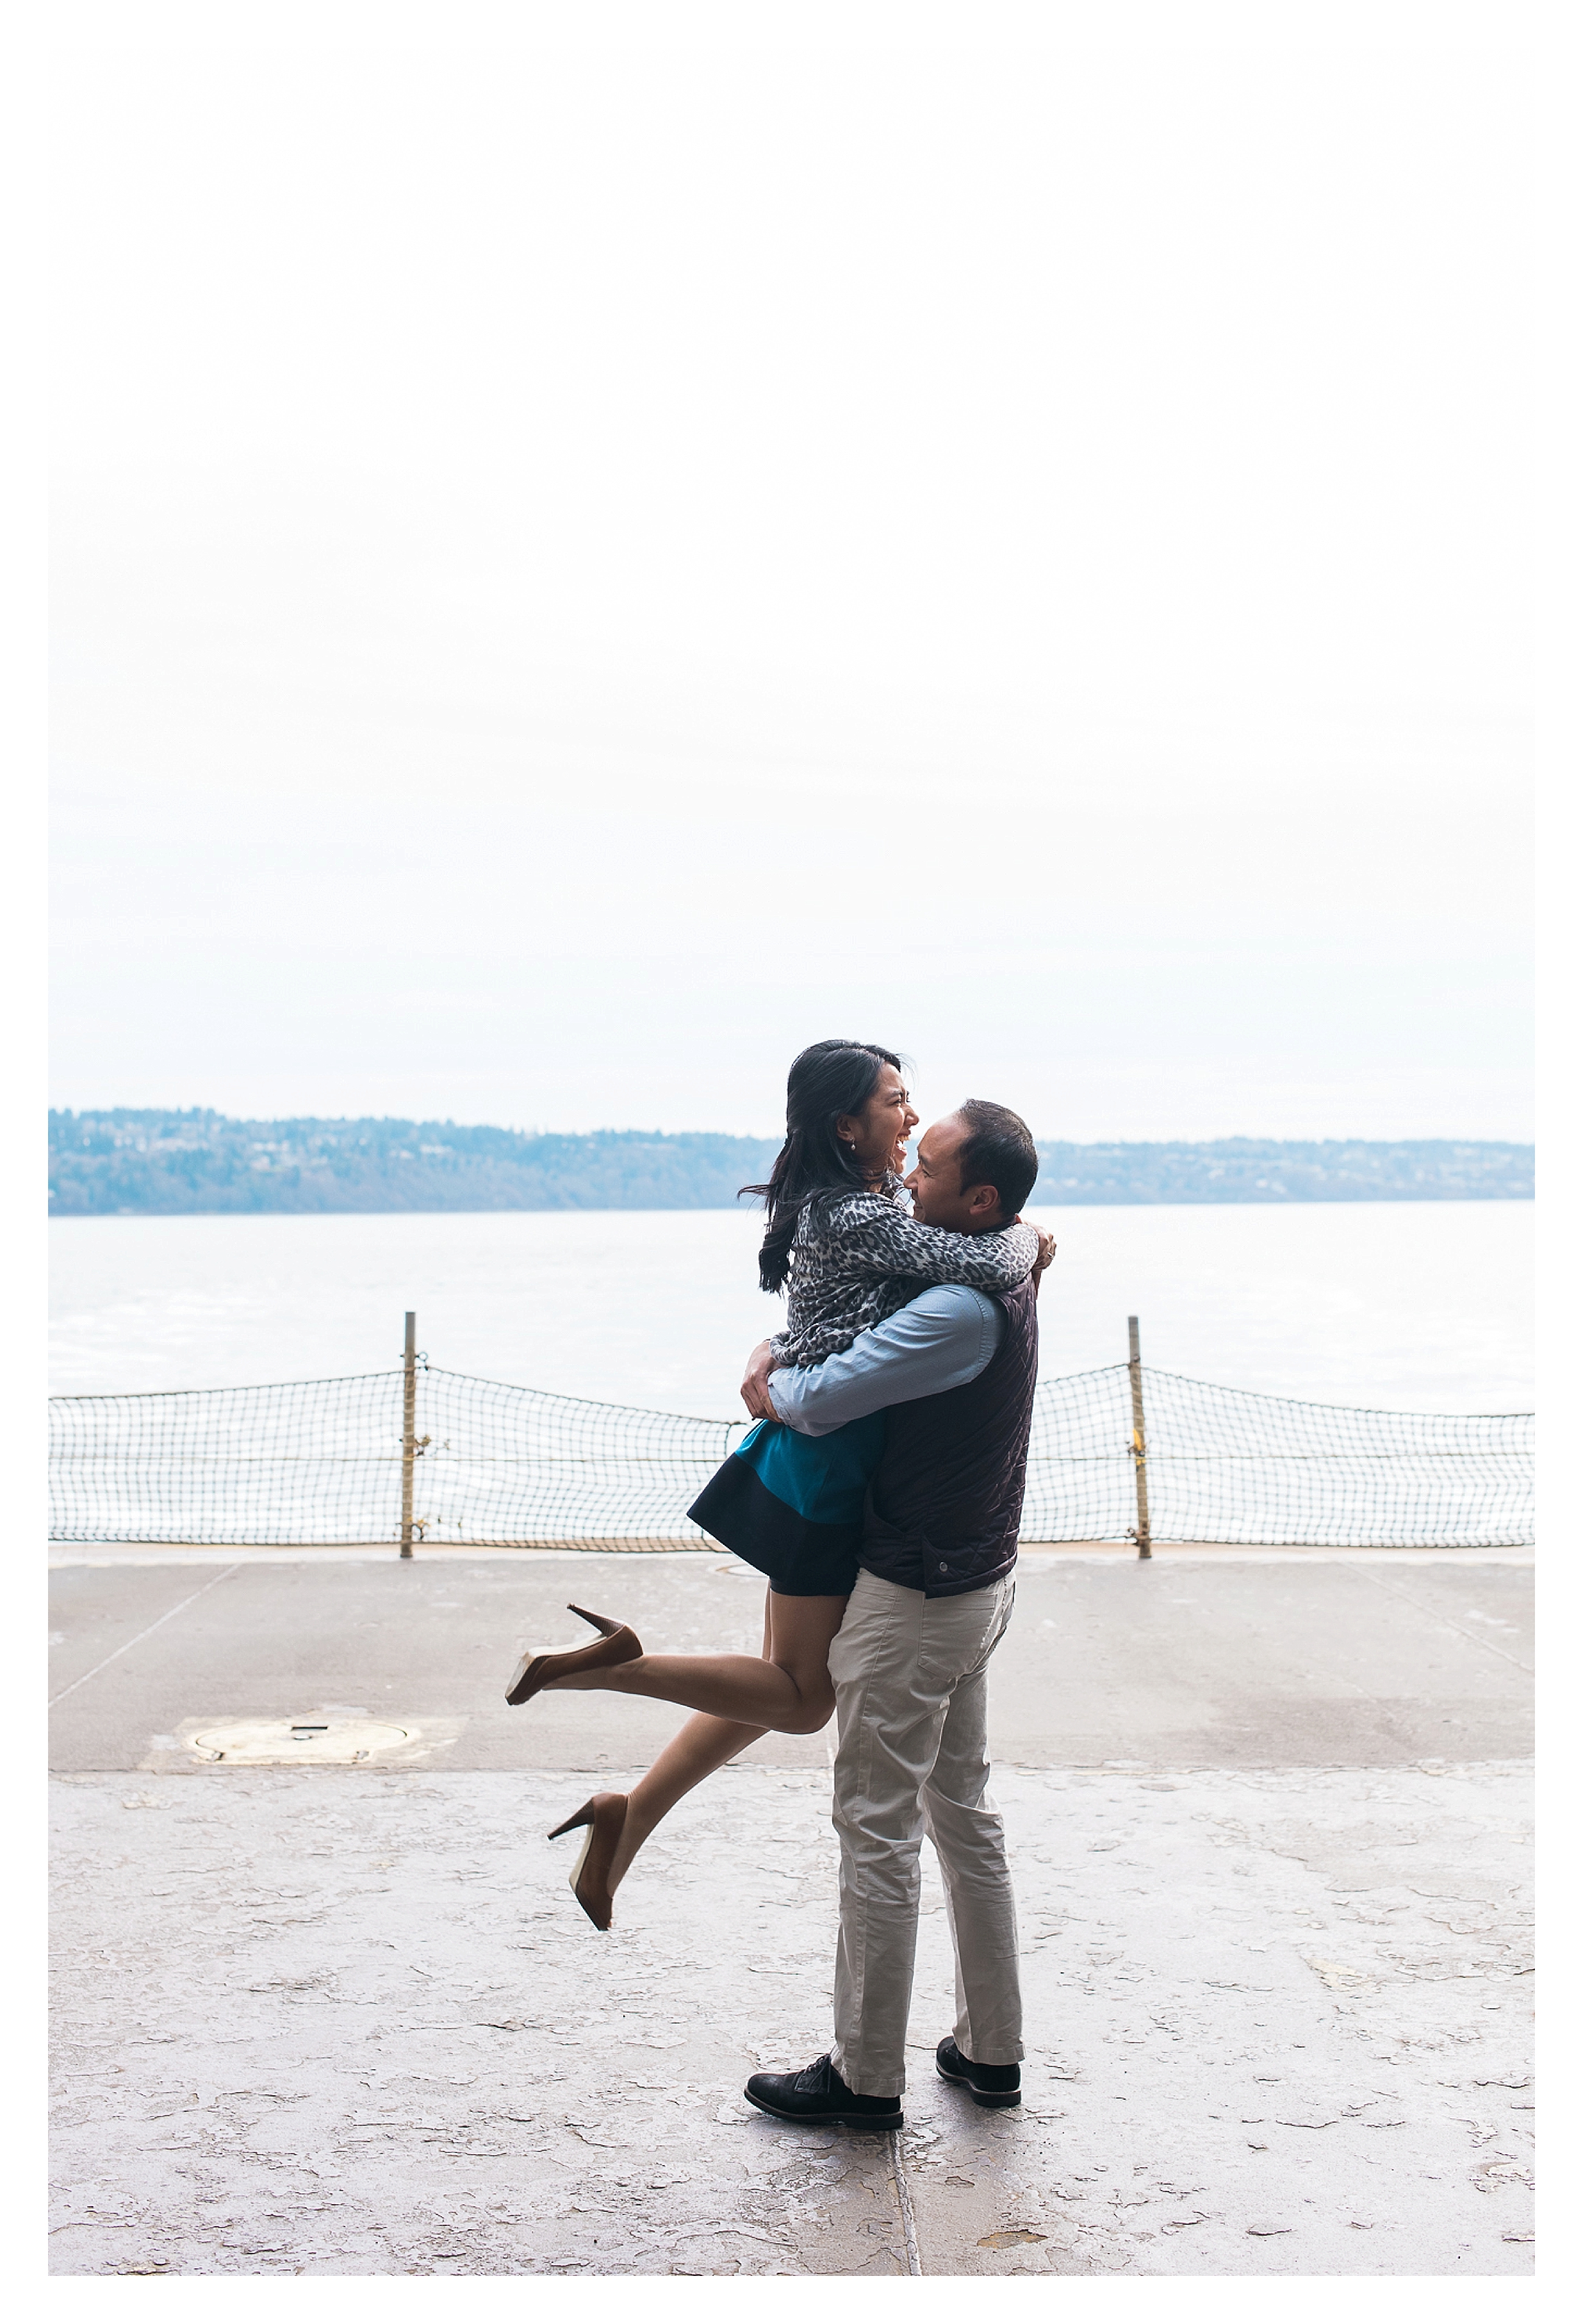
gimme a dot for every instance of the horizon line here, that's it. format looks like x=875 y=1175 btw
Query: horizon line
x=641 y=1130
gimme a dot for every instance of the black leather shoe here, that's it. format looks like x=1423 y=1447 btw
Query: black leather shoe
x=818 y=2095
x=990 y=2086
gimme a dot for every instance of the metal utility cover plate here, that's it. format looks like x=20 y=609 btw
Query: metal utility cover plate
x=318 y=1739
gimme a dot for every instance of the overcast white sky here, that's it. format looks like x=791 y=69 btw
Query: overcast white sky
x=577 y=574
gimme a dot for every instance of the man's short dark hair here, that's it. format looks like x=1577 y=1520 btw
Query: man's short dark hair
x=998 y=1151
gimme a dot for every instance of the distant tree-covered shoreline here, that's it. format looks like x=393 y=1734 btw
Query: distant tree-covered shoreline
x=144 y=1161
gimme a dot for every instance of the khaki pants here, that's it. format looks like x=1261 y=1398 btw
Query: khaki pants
x=910 y=1683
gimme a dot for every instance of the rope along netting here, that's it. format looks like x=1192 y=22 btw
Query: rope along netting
x=1226 y=1465
x=319 y=1462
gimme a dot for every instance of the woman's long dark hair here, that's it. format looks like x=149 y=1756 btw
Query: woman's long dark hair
x=827 y=1081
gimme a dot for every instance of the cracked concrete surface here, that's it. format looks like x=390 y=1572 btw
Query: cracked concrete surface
x=351 y=2021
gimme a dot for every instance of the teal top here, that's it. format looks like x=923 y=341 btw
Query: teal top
x=822 y=1477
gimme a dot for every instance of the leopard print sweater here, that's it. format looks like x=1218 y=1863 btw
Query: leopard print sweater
x=858 y=1258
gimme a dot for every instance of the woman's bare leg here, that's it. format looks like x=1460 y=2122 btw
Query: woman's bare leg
x=693 y=1753
x=703 y=1745
x=788 y=1690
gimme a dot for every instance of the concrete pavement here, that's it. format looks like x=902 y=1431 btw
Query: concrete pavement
x=332 y=2019
x=1219 y=1660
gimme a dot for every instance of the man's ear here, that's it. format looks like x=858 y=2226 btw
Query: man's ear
x=984 y=1198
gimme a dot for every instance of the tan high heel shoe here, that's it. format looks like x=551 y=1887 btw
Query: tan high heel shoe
x=604 y=1815
x=616 y=1643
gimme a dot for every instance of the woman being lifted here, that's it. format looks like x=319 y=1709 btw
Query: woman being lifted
x=840 y=1243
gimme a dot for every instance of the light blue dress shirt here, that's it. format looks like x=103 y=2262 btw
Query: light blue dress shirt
x=941 y=1340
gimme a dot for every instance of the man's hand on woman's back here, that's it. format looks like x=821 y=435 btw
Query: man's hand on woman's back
x=756 y=1383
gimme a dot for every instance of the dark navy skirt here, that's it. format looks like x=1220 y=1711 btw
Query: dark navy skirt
x=793 y=1505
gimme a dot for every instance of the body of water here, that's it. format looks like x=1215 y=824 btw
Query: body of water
x=1417 y=1306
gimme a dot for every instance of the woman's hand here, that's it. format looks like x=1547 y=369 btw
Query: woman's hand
x=756 y=1383
x=1047 y=1253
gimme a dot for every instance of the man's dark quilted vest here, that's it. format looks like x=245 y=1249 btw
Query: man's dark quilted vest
x=945 y=1502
